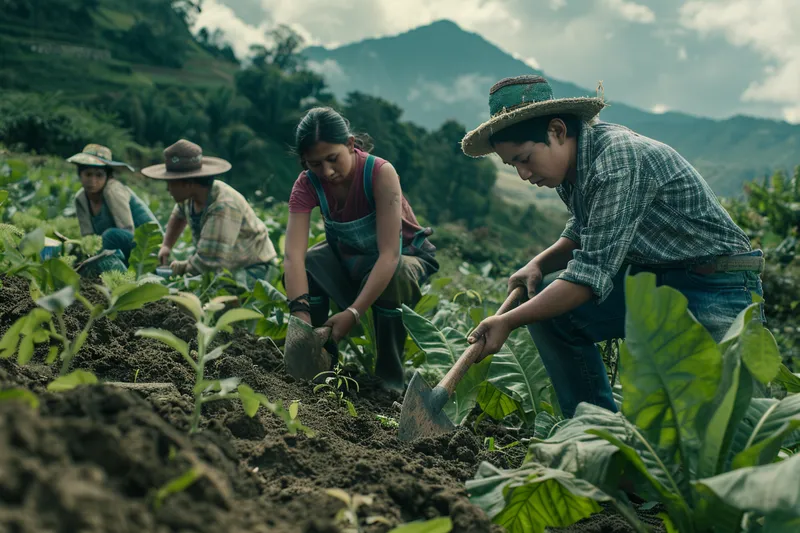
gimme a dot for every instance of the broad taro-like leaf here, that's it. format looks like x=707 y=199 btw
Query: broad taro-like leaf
x=733 y=398
x=582 y=447
x=777 y=422
x=439 y=354
x=789 y=380
x=76 y=378
x=670 y=369
x=545 y=425
x=427 y=303
x=770 y=490
x=533 y=498
x=442 y=349
x=3 y=196
x=518 y=371
x=495 y=403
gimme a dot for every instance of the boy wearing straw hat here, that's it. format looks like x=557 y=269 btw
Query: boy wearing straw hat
x=227 y=233
x=636 y=205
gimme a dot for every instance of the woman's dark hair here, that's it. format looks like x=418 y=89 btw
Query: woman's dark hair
x=324 y=124
x=109 y=171
x=535 y=129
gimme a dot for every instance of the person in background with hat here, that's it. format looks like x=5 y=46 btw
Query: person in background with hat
x=227 y=233
x=636 y=205
x=104 y=206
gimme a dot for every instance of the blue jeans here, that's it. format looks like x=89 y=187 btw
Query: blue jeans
x=119 y=239
x=566 y=343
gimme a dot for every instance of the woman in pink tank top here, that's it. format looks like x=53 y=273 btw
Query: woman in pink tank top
x=375 y=254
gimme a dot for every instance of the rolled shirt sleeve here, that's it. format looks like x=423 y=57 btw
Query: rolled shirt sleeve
x=571 y=231
x=618 y=195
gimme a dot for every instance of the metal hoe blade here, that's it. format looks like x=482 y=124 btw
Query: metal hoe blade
x=303 y=353
x=421 y=414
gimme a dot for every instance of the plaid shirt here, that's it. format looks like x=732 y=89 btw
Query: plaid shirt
x=636 y=200
x=229 y=235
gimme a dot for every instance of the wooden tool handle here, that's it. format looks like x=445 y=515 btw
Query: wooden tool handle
x=472 y=353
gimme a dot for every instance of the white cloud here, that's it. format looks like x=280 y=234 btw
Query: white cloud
x=464 y=88
x=328 y=69
x=767 y=26
x=555 y=5
x=238 y=33
x=682 y=54
x=530 y=61
x=631 y=11
x=792 y=114
x=659 y=109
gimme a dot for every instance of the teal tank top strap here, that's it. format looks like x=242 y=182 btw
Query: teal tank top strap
x=323 y=202
x=369 y=164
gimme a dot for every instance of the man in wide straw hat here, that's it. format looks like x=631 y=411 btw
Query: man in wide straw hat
x=226 y=232
x=636 y=205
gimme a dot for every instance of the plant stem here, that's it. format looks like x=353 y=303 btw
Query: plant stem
x=66 y=357
x=198 y=395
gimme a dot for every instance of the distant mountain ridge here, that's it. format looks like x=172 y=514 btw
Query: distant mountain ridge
x=440 y=72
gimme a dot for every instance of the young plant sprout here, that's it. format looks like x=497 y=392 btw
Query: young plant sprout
x=206 y=390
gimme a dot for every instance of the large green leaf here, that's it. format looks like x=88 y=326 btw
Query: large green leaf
x=138 y=296
x=170 y=340
x=581 y=447
x=74 y=379
x=518 y=371
x=671 y=368
x=237 y=315
x=32 y=243
x=58 y=301
x=61 y=274
x=771 y=490
x=533 y=498
x=144 y=256
x=190 y=302
x=733 y=398
x=495 y=403
x=763 y=443
x=789 y=380
x=443 y=524
x=23 y=395
x=760 y=352
x=440 y=356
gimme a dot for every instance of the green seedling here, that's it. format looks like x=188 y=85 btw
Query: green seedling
x=46 y=323
x=490 y=445
x=347 y=517
x=387 y=421
x=335 y=385
x=206 y=390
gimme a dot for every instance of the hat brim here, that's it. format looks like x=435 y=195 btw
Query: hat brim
x=211 y=166
x=476 y=142
x=94 y=161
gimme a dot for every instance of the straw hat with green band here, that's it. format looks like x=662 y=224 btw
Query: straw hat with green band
x=96 y=155
x=512 y=100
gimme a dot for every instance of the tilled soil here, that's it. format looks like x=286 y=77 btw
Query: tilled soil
x=92 y=459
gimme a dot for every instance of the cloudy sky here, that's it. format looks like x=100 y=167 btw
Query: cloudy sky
x=713 y=58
